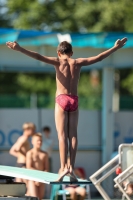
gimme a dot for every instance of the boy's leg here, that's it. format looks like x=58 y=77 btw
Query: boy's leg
x=72 y=193
x=61 y=121
x=19 y=180
x=32 y=189
x=41 y=190
x=81 y=191
x=73 y=141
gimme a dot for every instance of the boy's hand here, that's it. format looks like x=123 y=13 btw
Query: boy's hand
x=13 y=45
x=120 y=43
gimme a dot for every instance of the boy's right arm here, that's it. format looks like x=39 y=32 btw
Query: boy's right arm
x=29 y=160
x=15 y=46
x=17 y=146
x=88 y=61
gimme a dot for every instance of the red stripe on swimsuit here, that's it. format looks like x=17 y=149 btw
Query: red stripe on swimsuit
x=67 y=102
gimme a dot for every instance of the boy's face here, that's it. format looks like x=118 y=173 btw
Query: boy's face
x=37 y=142
x=47 y=133
x=30 y=131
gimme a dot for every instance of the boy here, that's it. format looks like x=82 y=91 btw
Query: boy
x=37 y=159
x=22 y=145
x=66 y=106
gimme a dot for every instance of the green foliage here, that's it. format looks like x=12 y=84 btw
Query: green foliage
x=86 y=88
x=72 y=15
x=36 y=83
x=90 y=95
x=20 y=83
x=8 y=84
x=127 y=83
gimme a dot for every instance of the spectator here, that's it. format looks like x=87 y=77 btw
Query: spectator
x=22 y=145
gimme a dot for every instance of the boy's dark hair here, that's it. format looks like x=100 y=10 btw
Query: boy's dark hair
x=64 y=47
x=46 y=128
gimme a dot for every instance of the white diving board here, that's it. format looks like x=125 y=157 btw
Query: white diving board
x=39 y=176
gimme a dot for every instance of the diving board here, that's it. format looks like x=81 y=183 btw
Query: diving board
x=36 y=175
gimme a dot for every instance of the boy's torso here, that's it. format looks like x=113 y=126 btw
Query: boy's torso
x=38 y=160
x=67 y=76
x=22 y=153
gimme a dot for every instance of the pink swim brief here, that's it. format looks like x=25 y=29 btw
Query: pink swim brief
x=67 y=102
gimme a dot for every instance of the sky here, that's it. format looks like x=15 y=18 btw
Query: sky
x=3 y=9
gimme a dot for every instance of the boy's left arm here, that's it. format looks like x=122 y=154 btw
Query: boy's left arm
x=88 y=61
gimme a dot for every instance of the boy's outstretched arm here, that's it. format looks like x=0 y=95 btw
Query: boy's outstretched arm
x=15 y=46
x=88 y=61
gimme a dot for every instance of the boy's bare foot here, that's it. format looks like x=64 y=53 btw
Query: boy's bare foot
x=62 y=173
x=73 y=177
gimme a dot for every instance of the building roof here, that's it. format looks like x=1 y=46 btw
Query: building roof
x=79 y=40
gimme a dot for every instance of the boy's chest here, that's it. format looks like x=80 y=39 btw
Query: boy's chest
x=38 y=158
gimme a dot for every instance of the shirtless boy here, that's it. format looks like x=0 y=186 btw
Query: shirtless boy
x=38 y=160
x=66 y=106
x=20 y=148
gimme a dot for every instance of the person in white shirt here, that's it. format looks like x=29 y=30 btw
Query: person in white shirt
x=47 y=144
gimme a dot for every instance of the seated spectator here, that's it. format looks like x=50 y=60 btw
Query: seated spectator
x=128 y=187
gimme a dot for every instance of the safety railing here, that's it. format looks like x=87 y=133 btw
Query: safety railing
x=103 y=171
x=121 y=178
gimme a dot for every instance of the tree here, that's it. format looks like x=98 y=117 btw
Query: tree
x=128 y=82
x=72 y=15
x=63 y=16
x=90 y=90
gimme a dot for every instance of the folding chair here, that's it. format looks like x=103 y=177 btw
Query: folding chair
x=126 y=165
